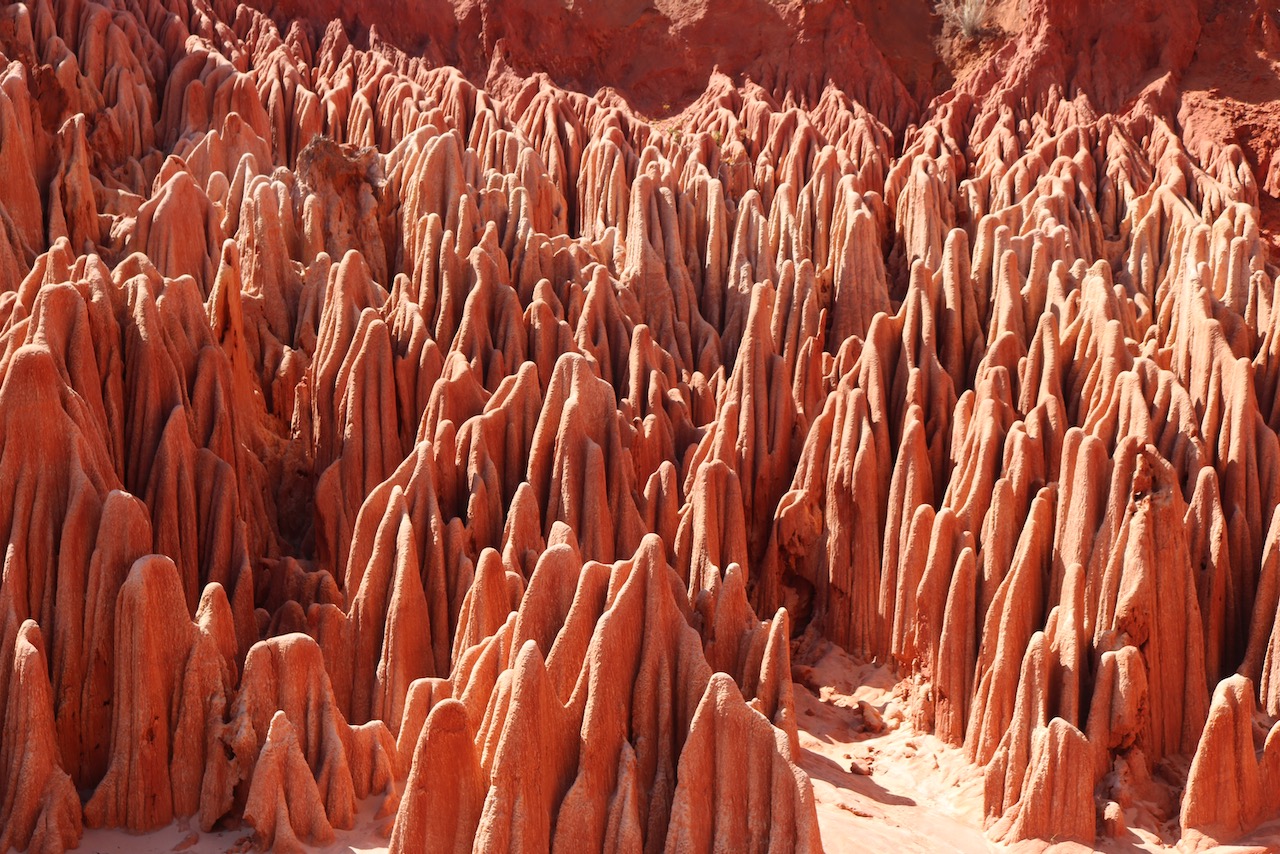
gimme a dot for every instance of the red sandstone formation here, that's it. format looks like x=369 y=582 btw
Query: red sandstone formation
x=473 y=406
x=283 y=804
x=40 y=811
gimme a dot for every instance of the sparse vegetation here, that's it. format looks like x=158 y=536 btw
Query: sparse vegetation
x=967 y=16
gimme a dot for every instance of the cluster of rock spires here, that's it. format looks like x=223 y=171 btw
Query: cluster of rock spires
x=368 y=434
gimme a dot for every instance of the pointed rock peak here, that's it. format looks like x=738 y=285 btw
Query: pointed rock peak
x=445 y=792
x=283 y=805
x=40 y=810
x=1229 y=792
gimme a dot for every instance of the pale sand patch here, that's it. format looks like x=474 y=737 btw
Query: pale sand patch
x=184 y=837
x=921 y=795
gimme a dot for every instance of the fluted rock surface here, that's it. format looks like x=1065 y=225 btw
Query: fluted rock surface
x=471 y=405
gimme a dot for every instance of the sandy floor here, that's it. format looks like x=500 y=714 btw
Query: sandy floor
x=183 y=837
x=900 y=791
x=893 y=790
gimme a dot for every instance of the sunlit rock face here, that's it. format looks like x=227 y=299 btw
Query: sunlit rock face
x=464 y=412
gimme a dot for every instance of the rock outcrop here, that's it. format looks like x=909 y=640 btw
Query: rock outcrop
x=369 y=432
x=39 y=808
x=283 y=805
x=1230 y=787
x=174 y=691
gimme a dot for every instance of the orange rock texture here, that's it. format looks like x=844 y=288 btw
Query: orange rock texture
x=471 y=406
